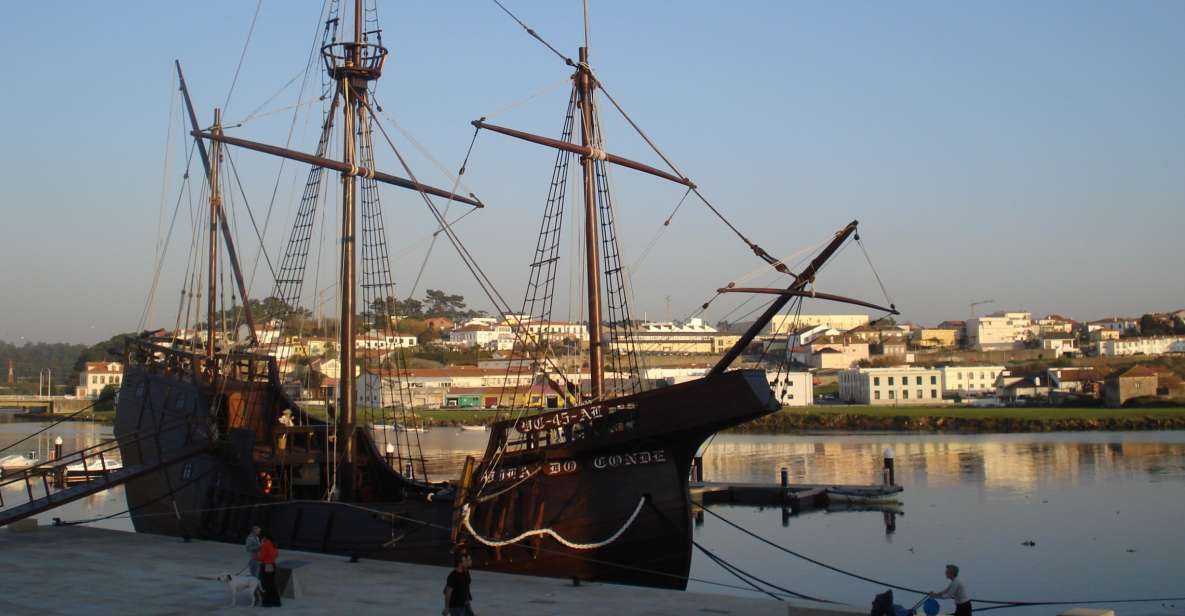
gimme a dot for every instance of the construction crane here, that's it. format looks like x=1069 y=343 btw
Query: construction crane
x=980 y=302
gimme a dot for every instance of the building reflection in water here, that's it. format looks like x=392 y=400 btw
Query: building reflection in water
x=999 y=462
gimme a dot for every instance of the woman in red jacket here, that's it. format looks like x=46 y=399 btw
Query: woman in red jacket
x=267 y=570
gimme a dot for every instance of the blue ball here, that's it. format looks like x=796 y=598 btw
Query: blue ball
x=930 y=607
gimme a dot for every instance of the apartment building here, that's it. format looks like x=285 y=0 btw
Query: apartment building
x=969 y=380
x=1000 y=331
x=1150 y=345
x=901 y=385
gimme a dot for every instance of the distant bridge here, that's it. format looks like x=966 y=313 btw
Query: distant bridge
x=55 y=405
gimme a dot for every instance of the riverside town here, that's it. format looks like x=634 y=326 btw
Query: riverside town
x=582 y=307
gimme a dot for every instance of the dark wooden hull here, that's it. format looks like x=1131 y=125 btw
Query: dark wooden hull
x=629 y=465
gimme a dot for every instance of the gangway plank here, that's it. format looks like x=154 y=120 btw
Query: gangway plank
x=105 y=481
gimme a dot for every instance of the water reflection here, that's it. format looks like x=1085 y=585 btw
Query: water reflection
x=1009 y=462
x=1103 y=511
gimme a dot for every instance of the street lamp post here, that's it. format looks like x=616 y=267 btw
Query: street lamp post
x=45 y=382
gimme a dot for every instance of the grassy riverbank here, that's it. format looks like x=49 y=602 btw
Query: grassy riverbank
x=964 y=419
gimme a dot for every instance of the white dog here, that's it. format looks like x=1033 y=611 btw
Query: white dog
x=241 y=582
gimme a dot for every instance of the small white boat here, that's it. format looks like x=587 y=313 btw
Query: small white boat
x=474 y=428
x=864 y=496
x=94 y=465
x=395 y=428
x=19 y=462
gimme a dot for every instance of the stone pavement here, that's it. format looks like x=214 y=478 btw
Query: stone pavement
x=81 y=570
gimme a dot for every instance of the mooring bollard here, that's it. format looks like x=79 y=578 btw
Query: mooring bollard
x=697 y=469
x=889 y=479
x=785 y=485
x=59 y=472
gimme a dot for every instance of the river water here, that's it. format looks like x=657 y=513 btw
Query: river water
x=1105 y=509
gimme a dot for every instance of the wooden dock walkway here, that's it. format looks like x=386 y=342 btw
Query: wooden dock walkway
x=798 y=497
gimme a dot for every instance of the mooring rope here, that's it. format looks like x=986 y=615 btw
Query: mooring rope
x=999 y=604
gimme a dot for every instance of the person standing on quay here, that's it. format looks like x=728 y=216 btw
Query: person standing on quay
x=457 y=598
x=267 y=576
x=252 y=545
x=956 y=591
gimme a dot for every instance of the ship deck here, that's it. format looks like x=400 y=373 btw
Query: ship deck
x=70 y=570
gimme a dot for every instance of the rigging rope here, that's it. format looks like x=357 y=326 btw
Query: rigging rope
x=328 y=7
x=663 y=229
x=757 y=250
x=534 y=34
x=427 y=255
x=243 y=55
x=465 y=511
x=251 y=215
x=874 y=272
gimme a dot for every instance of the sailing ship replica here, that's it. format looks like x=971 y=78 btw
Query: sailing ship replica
x=595 y=490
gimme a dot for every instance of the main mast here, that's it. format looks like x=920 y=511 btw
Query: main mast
x=352 y=73
x=588 y=139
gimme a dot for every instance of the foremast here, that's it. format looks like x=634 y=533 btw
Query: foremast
x=590 y=149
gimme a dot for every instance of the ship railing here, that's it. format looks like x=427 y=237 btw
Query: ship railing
x=299 y=441
x=239 y=366
x=364 y=60
x=565 y=426
x=98 y=461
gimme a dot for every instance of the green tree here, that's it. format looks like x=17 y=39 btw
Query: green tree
x=1155 y=325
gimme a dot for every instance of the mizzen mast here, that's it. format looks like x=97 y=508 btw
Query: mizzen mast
x=231 y=254
x=215 y=207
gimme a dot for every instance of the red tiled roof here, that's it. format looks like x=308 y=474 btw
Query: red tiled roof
x=1137 y=371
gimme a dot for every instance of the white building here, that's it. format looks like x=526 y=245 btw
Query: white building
x=973 y=380
x=1001 y=330
x=1118 y=324
x=394 y=388
x=97 y=375
x=1060 y=344
x=792 y=388
x=556 y=331
x=331 y=368
x=380 y=341
x=830 y=352
x=497 y=337
x=902 y=385
x=805 y=334
x=692 y=337
x=673 y=375
x=842 y=322
x=1151 y=345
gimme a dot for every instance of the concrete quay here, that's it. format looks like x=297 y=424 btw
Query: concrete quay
x=81 y=570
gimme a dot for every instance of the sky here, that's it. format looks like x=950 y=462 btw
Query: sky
x=1028 y=153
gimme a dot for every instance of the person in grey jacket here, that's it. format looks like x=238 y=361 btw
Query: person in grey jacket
x=955 y=591
x=252 y=545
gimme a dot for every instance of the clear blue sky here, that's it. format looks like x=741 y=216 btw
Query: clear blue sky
x=1031 y=153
